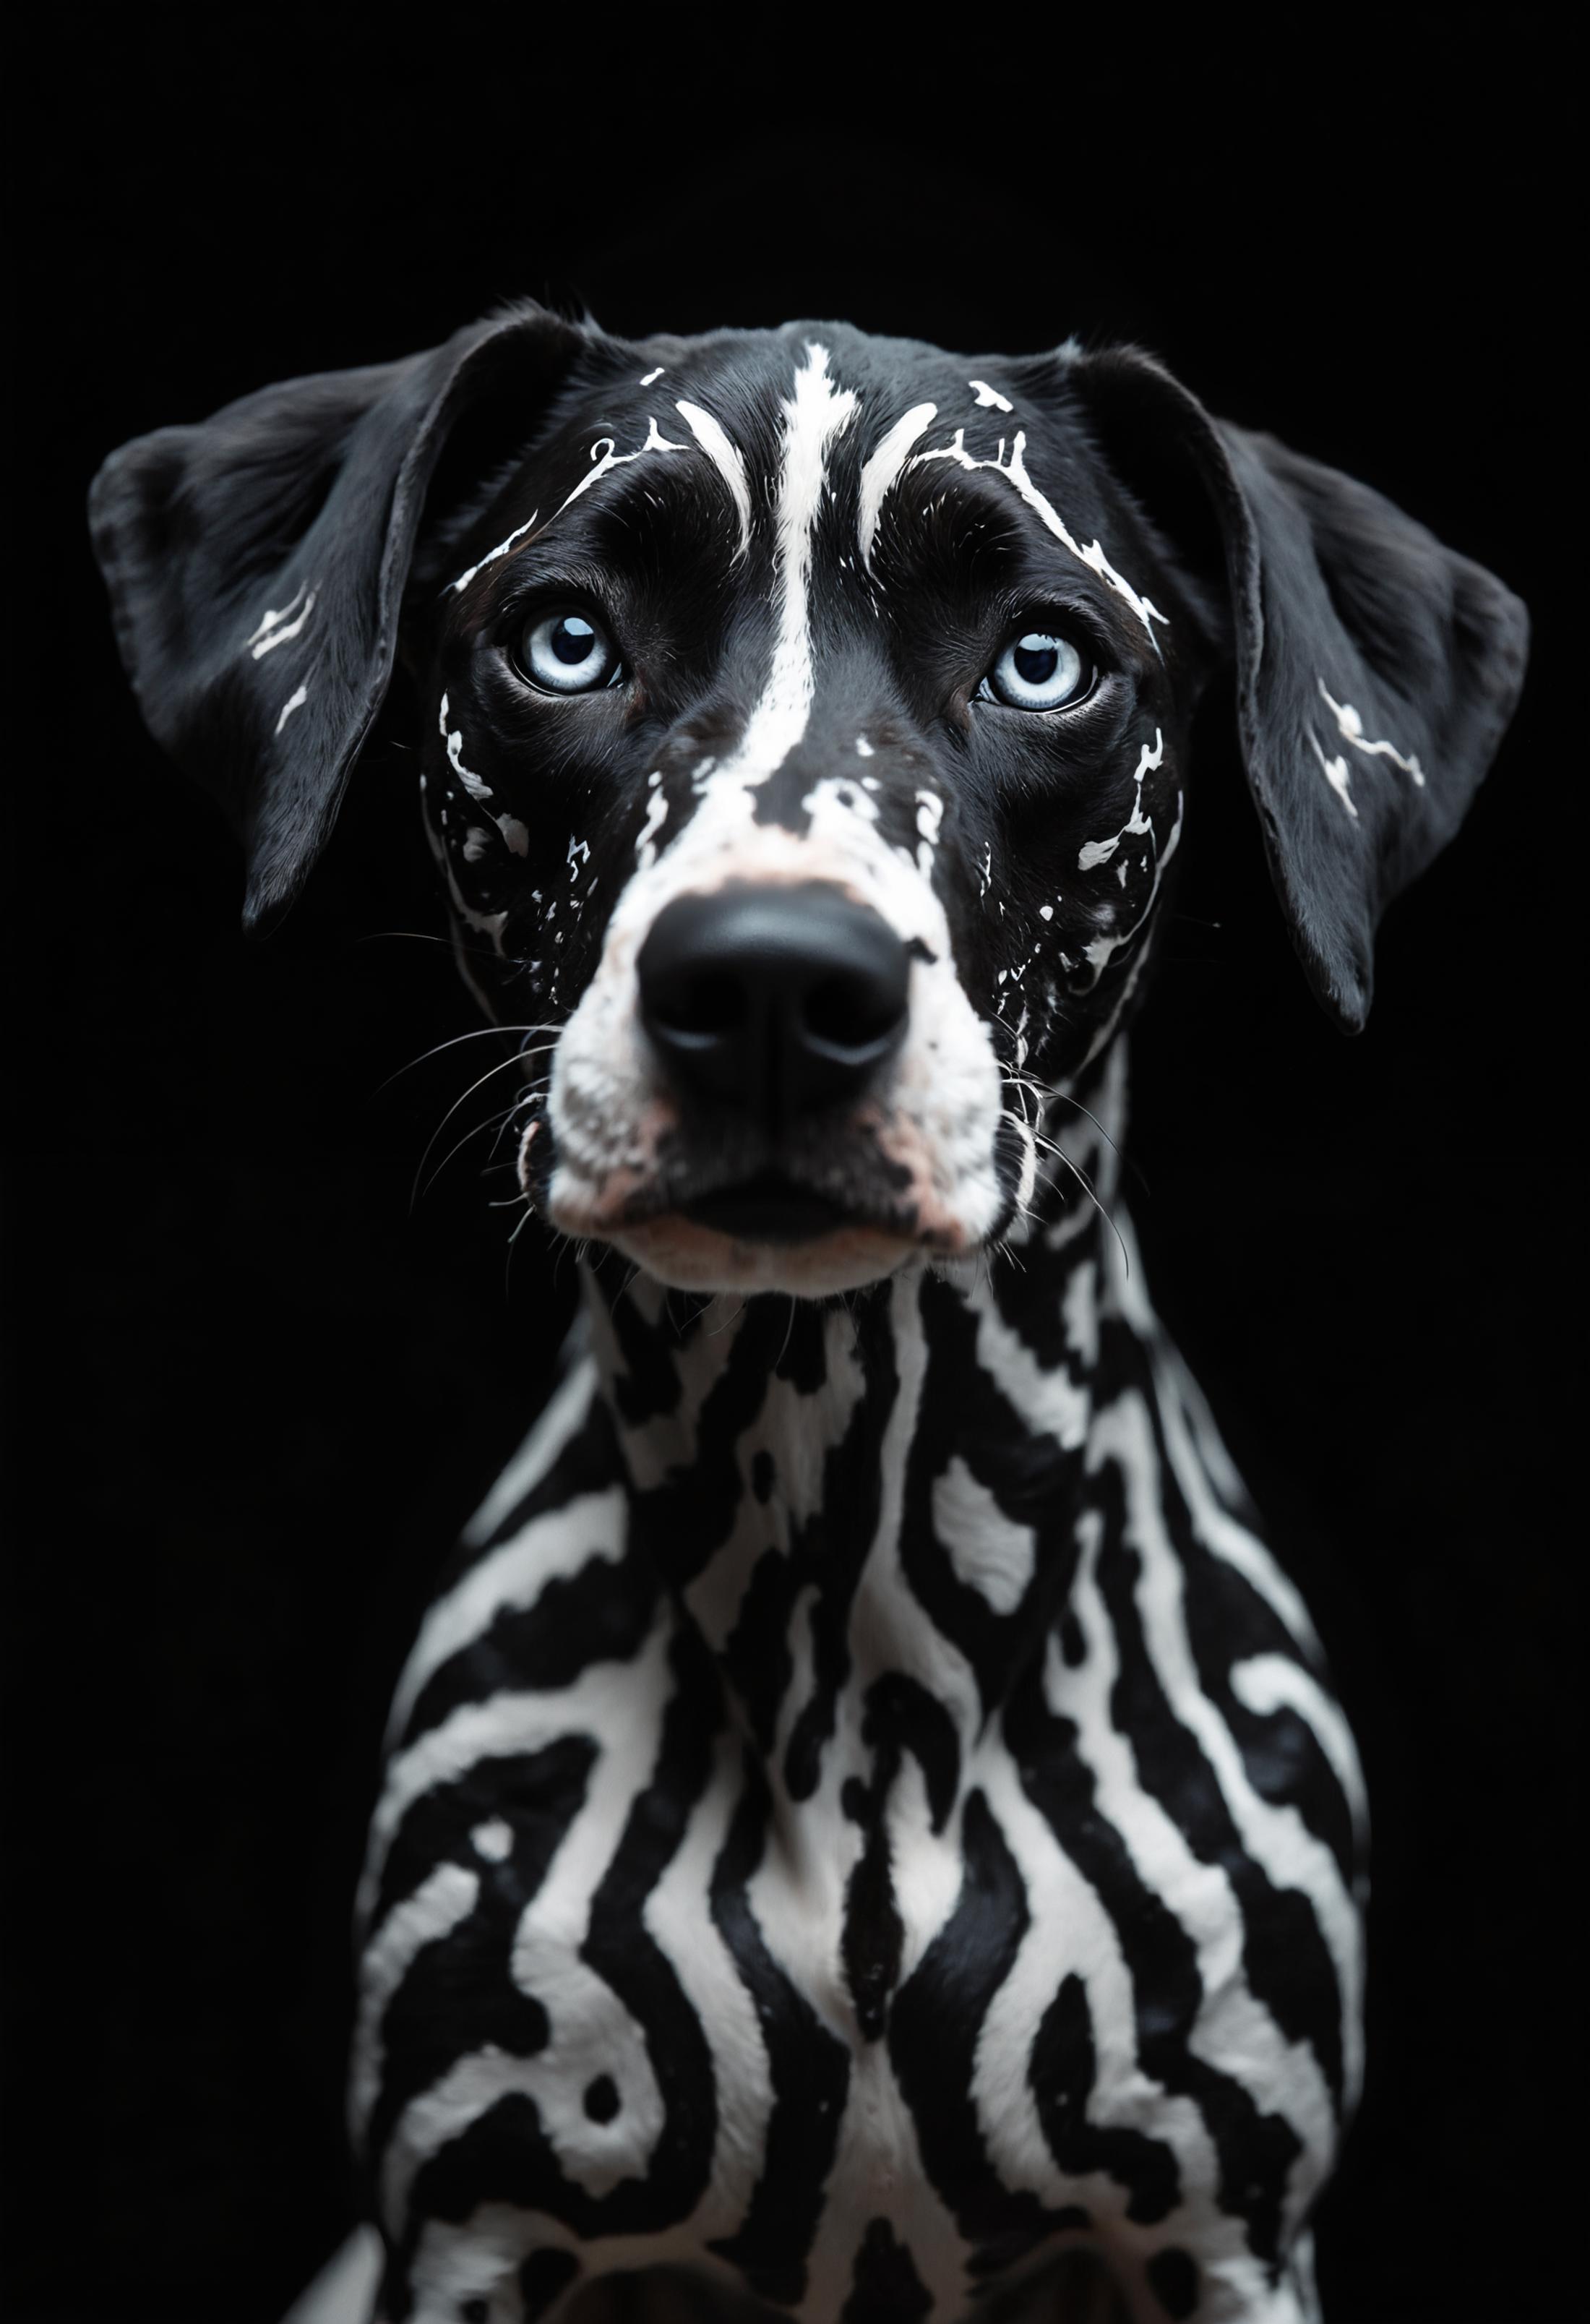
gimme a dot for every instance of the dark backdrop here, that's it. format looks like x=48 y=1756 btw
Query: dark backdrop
x=251 y=1394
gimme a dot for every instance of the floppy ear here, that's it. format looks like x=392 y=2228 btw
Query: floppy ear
x=1375 y=670
x=257 y=565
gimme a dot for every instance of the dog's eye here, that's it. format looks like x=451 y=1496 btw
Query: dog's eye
x=1039 y=670
x=567 y=653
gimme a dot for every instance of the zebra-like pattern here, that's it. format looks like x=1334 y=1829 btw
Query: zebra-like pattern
x=865 y=1815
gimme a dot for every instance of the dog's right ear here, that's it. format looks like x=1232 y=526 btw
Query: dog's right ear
x=257 y=565
x=1377 y=670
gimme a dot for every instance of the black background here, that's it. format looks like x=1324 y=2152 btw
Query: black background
x=250 y=1396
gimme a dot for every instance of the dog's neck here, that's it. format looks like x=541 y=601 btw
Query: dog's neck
x=867 y=1497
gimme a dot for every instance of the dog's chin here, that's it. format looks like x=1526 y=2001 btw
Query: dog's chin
x=690 y=1255
x=768 y=1232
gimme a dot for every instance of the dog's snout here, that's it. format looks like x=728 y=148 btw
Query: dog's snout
x=775 y=1001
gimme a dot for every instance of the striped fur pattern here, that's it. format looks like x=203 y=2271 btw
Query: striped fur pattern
x=866 y=1817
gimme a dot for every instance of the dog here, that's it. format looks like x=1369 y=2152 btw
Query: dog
x=866 y=1834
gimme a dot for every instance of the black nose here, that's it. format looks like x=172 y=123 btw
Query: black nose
x=776 y=1001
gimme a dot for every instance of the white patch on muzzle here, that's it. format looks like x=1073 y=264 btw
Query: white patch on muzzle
x=609 y=1100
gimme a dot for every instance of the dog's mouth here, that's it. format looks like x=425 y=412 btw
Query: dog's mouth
x=782 y=1203
x=770 y=1207
x=769 y=1228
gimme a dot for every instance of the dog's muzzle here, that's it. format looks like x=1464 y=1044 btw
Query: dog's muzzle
x=767 y=1007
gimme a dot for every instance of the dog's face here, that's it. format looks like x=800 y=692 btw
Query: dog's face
x=807 y=720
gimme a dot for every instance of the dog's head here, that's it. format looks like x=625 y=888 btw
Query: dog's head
x=805 y=721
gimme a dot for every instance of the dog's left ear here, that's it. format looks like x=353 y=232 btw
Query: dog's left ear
x=257 y=565
x=1375 y=670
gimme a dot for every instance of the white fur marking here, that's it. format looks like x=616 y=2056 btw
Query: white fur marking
x=275 y=630
x=881 y=470
x=494 y=1840
x=1335 y=775
x=605 y=457
x=1093 y=557
x=491 y=555
x=989 y=397
x=1350 y=725
x=656 y=815
x=725 y=456
x=989 y=1551
x=294 y=702
x=1100 y=950
x=817 y=415
x=930 y=814
x=1099 y=851
x=270 y=617
x=475 y=785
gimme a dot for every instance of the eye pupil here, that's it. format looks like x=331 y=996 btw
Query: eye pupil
x=1037 y=660
x=573 y=639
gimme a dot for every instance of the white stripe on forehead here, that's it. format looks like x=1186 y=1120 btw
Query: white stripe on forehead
x=725 y=457
x=817 y=414
x=1016 y=469
x=881 y=471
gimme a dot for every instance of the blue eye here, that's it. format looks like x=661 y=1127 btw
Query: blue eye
x=567 y=653
x=1039 y=670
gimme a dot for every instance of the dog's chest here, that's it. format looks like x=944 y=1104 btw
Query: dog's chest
x=726 y=1926
x=844 y=2040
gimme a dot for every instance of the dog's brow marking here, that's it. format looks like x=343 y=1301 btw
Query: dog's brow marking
x=1351 y=727
x=1093 y=557
x=881 y=470
x=605 y=456
x=1099 y=851
x=725 y=456
x=651 y=377
x=989 y=397
x=294 y=702
x=1335 y=775
x=269 y=635
x=604 y=452
x=863 y=747
x=491 y=555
